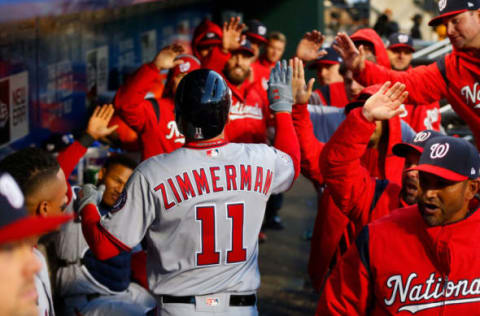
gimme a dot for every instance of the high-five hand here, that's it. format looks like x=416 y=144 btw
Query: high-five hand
x=386 y=103
x=280 y=88
x=301 y=92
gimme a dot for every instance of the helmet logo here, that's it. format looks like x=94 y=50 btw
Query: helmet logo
x=198 y=133
x=9 y=188
x=439 y=150
x=421 y=137
x=262 y=30
x=184 y=67
x=403 y=38
x=442 y=4
x=212 y=93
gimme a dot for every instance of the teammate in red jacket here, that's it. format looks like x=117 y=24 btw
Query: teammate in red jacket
x=154 y=119
x=333 y=230
x=421 y=260
x=249 y=111
x=425 y=116
x=359 y=198
x=455 y=77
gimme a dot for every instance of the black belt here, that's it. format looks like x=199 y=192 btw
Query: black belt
x=62 y=263
x=235 y=300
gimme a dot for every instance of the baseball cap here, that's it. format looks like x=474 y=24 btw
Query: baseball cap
x=451 y=158
x=256 y=30
x=417 y=143
x=15 y=223
x=210 y=38
x=245 y=47
x=332 y=57
x=190 y=63
x=448 y=8
x=400 y=40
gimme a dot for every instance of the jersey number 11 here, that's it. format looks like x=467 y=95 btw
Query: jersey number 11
x=209 y=255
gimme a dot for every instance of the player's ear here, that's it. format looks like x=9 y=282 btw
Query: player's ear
x=472 y=189
x=42 y=209
x=101 y=175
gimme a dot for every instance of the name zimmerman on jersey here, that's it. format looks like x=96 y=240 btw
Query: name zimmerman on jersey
x=214 y=179
x=434 y=292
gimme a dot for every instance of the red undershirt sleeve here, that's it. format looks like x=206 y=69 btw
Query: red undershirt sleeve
x=286 y=139
x=103 y=245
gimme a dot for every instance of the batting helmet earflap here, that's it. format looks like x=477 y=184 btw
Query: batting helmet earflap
x=202 y=104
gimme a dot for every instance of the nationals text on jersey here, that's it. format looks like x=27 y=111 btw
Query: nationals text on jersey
x=472 y=97
x=435 y=287
x=215 y=179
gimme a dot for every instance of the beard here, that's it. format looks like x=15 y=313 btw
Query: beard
x=235 y=77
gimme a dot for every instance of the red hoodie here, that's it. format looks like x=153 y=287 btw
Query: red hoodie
x=459 y=84
x=369 y=35
x=200 y=36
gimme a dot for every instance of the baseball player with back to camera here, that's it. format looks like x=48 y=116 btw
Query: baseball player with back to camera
x=199 y=209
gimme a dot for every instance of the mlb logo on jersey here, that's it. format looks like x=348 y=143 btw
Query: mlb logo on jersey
x=213 y=152
x=211 y=301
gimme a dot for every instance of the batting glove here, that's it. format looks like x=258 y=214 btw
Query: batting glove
x=89 y=194
x=280 y=88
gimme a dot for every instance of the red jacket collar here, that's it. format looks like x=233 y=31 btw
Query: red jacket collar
x=206 y=144
x=239 y=92
x=265 y=62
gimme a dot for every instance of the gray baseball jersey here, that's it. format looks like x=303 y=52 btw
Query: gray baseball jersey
x=200 y=211
x=74 y=281
x=43 y=287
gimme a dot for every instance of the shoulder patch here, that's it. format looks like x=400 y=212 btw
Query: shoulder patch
x=120 y=202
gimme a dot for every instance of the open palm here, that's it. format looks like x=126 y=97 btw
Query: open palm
x=386 y=103
x=300 y=91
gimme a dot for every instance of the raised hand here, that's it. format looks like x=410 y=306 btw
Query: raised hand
x=353 y=58
x=165 y=59
x=232 y=34
x=280 y=88
x=309 y=47
x=301 y=92
x=98 y=123
x=386 y=103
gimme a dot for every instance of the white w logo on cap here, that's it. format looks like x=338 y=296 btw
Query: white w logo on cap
x=438 y=150
x=442 y=4
x=421 y=137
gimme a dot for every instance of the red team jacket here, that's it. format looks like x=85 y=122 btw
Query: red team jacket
x=310 y=147
x=332 y=94
x=400 y=265
x=456 y=78
x=334 y=231
x=422 y=117
x=249 y=111
x=158 y=130
x=261 y=71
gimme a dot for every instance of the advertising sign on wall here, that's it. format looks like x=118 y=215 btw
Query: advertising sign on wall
x=13 y=107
